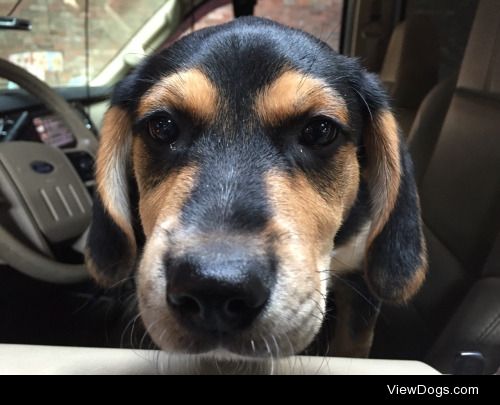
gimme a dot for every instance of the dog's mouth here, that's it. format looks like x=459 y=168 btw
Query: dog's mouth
x=228 y=345
x=268 y=337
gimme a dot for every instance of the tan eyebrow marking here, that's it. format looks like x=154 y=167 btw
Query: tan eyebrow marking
x=294 y=93
x=190 y=91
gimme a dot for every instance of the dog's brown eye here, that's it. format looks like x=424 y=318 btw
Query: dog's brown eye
x=319 y=132
x=163 y=129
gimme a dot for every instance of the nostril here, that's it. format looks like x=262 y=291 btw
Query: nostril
x=185 y=303
x=236 y=307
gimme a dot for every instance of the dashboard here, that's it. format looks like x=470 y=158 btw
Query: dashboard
x=37 y=124
x=35 y=127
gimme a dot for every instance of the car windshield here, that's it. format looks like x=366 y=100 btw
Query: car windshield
x=55 y=49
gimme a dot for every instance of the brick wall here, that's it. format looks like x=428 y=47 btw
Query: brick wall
x=322 y=18
x=58 y=26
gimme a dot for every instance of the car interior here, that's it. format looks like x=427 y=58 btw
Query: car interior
x=440 y=64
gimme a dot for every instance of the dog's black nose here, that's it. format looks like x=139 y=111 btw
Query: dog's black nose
x=218 y=294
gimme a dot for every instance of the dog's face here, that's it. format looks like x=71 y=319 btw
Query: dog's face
x=245 y=145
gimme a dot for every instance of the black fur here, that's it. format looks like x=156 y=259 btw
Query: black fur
x=108 y=246
x=230 y=193
x=358 y=216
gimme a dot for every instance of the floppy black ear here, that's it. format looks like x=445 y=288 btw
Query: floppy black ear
x=111 y=245
x=395 y=261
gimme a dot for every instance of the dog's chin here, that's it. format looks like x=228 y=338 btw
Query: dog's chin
x=225 y=353
x=259 y=341
x=234 y=348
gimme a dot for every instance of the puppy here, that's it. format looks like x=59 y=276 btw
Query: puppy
x=245 y=175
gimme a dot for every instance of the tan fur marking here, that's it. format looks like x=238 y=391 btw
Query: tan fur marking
x=111 y=168
x=166 y=199
x=308 y=218
x=418 y=279
x=190 y=91
x=97 y=275
x=345 y=169
x=299 y=208
x=294 y=93
x=384 y=171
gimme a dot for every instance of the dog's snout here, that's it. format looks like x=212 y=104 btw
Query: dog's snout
x=218 y=294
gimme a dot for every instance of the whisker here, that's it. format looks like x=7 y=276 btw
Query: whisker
x=365 y=102
x=146 y=333
x=130 y=323
x=276 y=345
x=347 y=283
x=122 y=281
x=270 y=354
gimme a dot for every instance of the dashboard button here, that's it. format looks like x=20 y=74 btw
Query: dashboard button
x=83 y=163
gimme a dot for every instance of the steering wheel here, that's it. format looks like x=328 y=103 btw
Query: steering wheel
x=34 y=184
